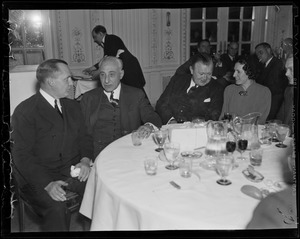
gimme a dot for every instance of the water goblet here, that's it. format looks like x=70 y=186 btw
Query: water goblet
x=224 y=164
x=171 y=150
x=160 y=137
x=282 y=130
x=242 y=146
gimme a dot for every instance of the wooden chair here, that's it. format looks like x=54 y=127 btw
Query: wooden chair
x=73 y=203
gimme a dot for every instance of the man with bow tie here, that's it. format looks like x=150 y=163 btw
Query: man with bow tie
x=114 y=46
x=48 y=137
x=272 y=76
x=192 y=95
x=116 y=109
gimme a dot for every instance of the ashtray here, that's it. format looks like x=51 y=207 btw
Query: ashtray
x=252 y=175
x=191 y=154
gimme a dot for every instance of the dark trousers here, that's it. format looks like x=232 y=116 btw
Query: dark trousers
x=55 y=216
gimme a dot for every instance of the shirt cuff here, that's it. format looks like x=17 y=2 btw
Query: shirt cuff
x=152 y=126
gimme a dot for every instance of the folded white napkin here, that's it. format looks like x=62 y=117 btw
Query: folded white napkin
x=75 y=171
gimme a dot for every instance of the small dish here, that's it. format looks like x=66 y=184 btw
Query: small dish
x=191 y=154
x=253 y=177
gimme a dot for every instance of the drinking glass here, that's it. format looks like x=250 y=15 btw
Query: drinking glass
x=171 y=150
x=224 y=164
x=160 y=137
x=282 y=130
x=272 y=124
x=242 y=146
x=230 y=146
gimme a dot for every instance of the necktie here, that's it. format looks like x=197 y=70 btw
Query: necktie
x=192 y=89
x=113 y=101
x=57 y=109
x=101 y=44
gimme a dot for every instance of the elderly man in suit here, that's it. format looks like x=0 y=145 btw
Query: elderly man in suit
x=114 y=46
x=48 y=137
x=192 y=95
x=116 y=109
x=272 y=76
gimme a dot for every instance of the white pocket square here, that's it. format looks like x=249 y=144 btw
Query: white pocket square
x=207 y=100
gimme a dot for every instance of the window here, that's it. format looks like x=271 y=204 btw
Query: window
x=221 y=25
x=26 y=37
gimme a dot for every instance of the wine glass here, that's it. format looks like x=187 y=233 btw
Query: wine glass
x=160 y=137
x=242 y=146
x=282 y=130
x=224 y=164
x=171 y=150
x=272 y=124
x=230 y=147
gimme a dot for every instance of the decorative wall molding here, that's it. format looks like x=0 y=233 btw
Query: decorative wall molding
x=154 y=36
x=59 y=34
x=78 y=55
x=184 y=27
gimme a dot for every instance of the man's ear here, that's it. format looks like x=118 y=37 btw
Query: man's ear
x=191 y=70
x=50 y=81
x=121 y=74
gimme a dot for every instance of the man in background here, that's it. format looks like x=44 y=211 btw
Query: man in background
x=114 y=46
x=272 y=75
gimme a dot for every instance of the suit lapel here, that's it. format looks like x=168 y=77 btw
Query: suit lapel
x=124 y=107
x=47 y=111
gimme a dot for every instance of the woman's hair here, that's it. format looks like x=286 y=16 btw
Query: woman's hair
x=247 y=68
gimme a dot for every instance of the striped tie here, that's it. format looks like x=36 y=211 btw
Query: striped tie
x=113 y=101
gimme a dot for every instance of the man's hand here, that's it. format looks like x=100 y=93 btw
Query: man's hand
x=85 y=168
x=55 y=190
x=88 y=71
x=144 y=131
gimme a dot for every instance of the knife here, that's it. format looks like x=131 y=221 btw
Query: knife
x=175 y=185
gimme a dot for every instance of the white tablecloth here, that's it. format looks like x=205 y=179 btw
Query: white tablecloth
x=120 y=196
x=85 y=84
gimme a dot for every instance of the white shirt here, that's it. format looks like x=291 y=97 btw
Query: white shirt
x=50 y=99
x=191 y=85
x=267 y=63
x=116 y=93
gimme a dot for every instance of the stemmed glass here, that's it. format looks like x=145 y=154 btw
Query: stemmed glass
x=171 y=150
x=160 y=137
x=282 y=130
x=242 y=146
x=223 y=165
x=231 y=146
x=272 y=124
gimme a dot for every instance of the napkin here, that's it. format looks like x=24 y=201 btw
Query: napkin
x=75 y=171
x=207 y=100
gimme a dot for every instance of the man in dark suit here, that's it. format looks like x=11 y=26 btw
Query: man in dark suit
x=229 y=59
x=219 y=71
x=272 y=76
x=192 y=95
x=48 y=137
x=114 y=46
x=116 y=109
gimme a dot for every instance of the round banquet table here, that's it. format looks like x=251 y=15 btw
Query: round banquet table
x=119 y=194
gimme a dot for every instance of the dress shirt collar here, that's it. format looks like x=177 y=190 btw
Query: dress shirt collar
x=191 y=85
x=267 y=63
x=116 y=93
x=231 y=57
x=103 y=39
x=50 y=99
